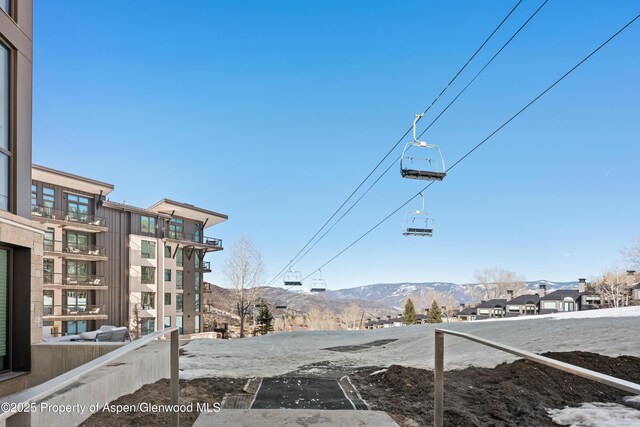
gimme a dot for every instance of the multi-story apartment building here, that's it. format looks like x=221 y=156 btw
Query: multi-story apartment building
x=113 y=263
x=20 y=238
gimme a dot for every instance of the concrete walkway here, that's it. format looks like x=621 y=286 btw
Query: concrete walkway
x=294 y=418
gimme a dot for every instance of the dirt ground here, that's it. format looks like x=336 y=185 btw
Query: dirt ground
x=512 y=394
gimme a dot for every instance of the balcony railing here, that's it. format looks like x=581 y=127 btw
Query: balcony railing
x=203 y=266
x=206 y=287
x=73 y=280
x=211 y=242
x=73 y=310
x=73 y=248
x=72 y=217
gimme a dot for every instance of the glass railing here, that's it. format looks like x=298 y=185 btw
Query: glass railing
x=73 y=279
x=73 y=310
x=73 y=248
x=44 y=212
x=195 y=238
x=203 y=266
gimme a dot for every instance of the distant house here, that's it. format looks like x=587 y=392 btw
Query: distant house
x=491 y=309
x=569 y=300
x=467 y=314
x=523 y=305
x=634 y=285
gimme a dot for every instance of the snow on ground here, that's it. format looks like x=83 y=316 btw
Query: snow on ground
x=587 y=314
x=596 y=415
x=281 y=353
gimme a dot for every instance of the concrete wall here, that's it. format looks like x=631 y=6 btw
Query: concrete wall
x=124 y=376
x=50 y=360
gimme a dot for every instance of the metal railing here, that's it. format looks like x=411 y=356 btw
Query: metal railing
x=72 y=217
x=438 y=382
x=73 y=248
x=72 y=280
x=40 y=392
x=73 y=310
x=203 y=266
x=211 y=242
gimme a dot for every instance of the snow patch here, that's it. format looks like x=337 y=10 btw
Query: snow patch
x=378 y=372
x=634 y=399
x=596 y=414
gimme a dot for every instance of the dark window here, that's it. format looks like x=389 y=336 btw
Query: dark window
x=5 y=148
x=5 y=262
x=167 y=298
x=148 y=249
x=148 y=325
x=167 y=274
x=179 y=259
x=167 y=251
x=176 y=228
x=148 y=275
x=47 y=271
x=178 y=302
x=77 y=241
x=179 y=279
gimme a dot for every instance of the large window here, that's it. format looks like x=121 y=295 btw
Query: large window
x=48 y=202
x=179 y=274
x=148 y=300
x=47 y=271
x=148 y=275
x=179 y=324
x=148 y=225
x=77 y=270
x=178 y=302
x=76 y=300
x=48 y=239
x=176 y=228
x=77 y=208
x=5 y=149
x=167 y=298
x=179 y=258
x=167 y=274
x=77 y=241
x=4 y=312
x=167 y=251
x=48 y=302
x=77 y=327
x=148 y=325
x=148 y=249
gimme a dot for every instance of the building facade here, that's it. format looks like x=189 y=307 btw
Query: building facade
x=108 y=263
x=20 y=238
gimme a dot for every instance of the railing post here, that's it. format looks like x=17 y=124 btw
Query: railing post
x=174 y=383
x=438 y=381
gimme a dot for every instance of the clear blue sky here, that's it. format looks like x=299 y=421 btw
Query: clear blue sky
x=272 y=112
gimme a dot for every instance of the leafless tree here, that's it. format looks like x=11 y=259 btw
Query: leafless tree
x=632 y=253
x=244 y=271
x=136 y=321
x=497 y=281
x=351 y=316
x=613 y=287
x=447 y=303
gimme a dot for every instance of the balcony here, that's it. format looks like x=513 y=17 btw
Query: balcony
x=197 y=241
x=74 y=312
x=203 y=266
x=69 y=220
x=75 y=251
x=207 y=287
x=68 y=281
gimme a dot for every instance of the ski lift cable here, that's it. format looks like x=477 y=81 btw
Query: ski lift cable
x=483 y=141
x=423 y=132
x=399 y=140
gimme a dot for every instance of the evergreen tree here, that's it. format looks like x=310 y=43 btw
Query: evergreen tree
x=409 y=316
x=264 y=319
x=435 y=314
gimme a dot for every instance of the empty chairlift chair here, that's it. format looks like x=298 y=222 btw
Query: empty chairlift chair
x=318 y=285
x=427 y=165
x=417 y=223
x=292 y=278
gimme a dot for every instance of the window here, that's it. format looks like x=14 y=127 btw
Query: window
x=76 y=300
x=196 y=237
x=48 y=202
x=34 y=197
x=48 y=239
x=167 y=274
x=178 y=302
x=513 y=308
x=77 y=241
x=167 y=321
x=167 y=298
x=77 y=208
x=179 y=274
x=483 y=311
x=76 y=327
x=6 y=6
x=148 y=300
x=148 y=325
x=548 y=305
x=197 y=278
x=148 y=275
x=179 y=324
x=167 y=251
x=5 y=153
x=197 y=325
x=148 y=225
x=179 y=260
x=47 y=270
x=196 y=303
x=148 y=249
x=77 y=270
x=48 y=303
x=176 y=228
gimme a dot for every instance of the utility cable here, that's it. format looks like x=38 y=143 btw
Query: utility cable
x=397 y=143
x=480 y=143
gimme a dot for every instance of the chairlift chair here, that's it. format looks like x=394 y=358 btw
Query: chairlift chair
x=424 y=168
x=318 y=284
x=292 y=278
x=418 y=223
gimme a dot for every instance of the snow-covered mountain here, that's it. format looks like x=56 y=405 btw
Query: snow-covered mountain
x=395 y=294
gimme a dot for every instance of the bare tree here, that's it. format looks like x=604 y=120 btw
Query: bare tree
x=632 y=253
x=136 y=321
x=351 y=316
x=497 y=281
x=244 y=272
x=613 y=288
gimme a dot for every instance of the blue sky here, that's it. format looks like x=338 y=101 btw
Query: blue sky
x=273 y=112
